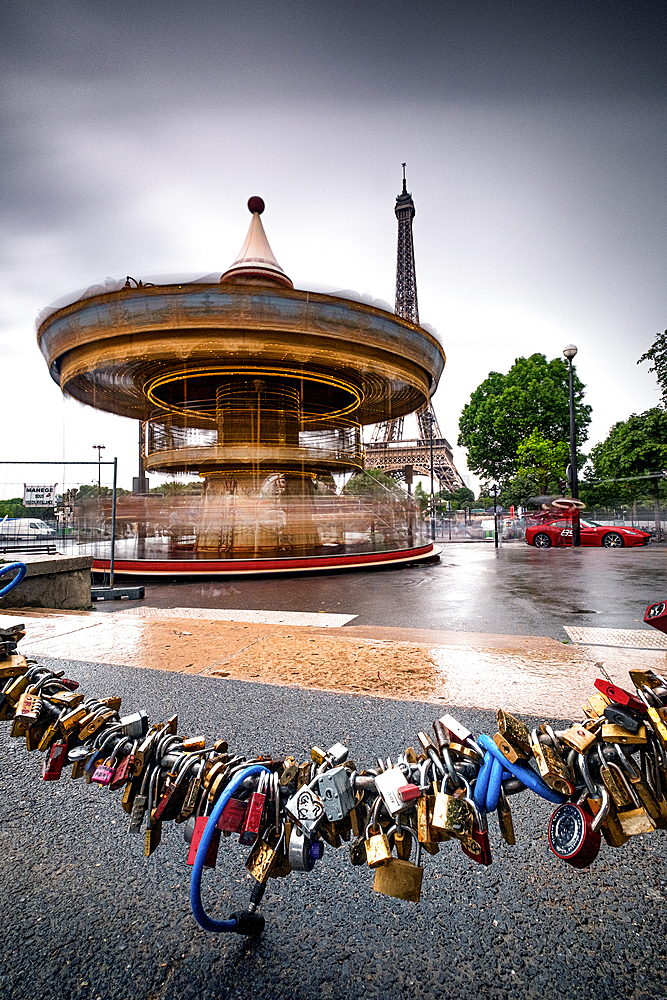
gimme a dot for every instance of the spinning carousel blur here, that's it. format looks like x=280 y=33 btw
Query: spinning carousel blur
x=261 y=390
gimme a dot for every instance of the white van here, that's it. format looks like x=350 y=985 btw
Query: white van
x=25 y=527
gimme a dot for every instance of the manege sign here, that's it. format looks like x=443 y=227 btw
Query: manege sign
x=39 y=496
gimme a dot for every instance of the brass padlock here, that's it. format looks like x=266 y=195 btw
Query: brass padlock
x=378 y=851
x=553 y=769
x=514 y=730
x=263 y=856
x=452 y=815
x=611 y=733
x=595 y=706
x=505 y=821
x=400 y=878
x=578 y=738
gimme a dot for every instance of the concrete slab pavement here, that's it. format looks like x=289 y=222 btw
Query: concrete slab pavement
x=525 y=674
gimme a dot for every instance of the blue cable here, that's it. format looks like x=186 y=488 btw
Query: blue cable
x=21 y=567
x=198 y=910
x=525 y=774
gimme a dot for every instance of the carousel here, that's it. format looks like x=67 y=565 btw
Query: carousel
x=260 y=392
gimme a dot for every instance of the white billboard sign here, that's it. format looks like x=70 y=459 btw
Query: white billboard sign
x=39 y=496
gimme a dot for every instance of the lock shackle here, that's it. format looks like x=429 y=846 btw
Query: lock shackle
x=603 y=811
x=586 y=774
x=233 y=924
x=413 y=836
x=373 y=818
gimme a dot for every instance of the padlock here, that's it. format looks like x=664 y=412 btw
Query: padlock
x=427 y=836
x=388 y=784
x=633 y=820
x=211 y=858
x=552 y=768
x=400 y=878
x=514 y=731
x=192 y=795
x=306 y=809
x=505 y=822
x=264 y=854
x=572 y=836
x=53 y=764
x=623 y=716
x=452 y=815
x=577 y=738
x=231 y=818
x=124 y=770
x=336 y=793
x=610 y=828
x=508 y=749
x=378 y=851
x=134 y=726
x=477 y=846
x=595 y=706
x=619 y=695
x=252 y=820
x=28 y=707
x=611 y=733
x=303 y=852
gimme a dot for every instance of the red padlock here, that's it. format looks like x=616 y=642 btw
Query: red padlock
x=620 y=696
x=231 y=820
x=572 y=837
x=409 y=792
x=53 y=764
x=252 y=820
x=212 y=852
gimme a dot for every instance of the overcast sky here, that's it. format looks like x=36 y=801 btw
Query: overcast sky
x=534 y=134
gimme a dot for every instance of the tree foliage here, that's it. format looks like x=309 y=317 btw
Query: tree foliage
x=505 y=409
x=371 y=482
x=657 y=353
x=542 y=460
x=634 y=447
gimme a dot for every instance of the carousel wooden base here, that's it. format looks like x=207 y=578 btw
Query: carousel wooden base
x=259 y=567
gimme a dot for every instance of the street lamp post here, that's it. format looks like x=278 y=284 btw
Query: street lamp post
x=570 y=352
x=494 y=494
x=100 y=449
x=429 y=417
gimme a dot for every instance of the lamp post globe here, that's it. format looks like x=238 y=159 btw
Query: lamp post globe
x=570 y=352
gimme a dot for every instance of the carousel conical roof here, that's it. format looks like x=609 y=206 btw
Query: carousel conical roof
x=256 y=263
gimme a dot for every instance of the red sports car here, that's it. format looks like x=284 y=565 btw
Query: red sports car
x=557 y=530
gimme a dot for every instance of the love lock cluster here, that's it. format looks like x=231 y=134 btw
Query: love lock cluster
x=607 y=775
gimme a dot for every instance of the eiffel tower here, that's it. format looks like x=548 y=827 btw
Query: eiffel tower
x=388 y=450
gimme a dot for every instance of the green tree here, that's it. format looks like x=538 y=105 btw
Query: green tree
x=505 y=409
x=373 y=482
x=422 y=497
x=519 y=490
x=657 y=353
x=634 y=447
x=541 y=459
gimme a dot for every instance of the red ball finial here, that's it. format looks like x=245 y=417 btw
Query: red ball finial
x=255 y=204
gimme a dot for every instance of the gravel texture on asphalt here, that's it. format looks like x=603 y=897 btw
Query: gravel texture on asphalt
x=88 y=916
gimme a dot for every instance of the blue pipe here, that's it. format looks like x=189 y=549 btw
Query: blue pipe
x=200 y=914
x=524 y=773
x=21 y=567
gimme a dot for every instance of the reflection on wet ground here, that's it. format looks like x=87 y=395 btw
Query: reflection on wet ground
x=523 y=673
x=481 y=629
x=516 y=589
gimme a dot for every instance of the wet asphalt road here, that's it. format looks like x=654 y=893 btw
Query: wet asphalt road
x=87 y=916
x=516 y=590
